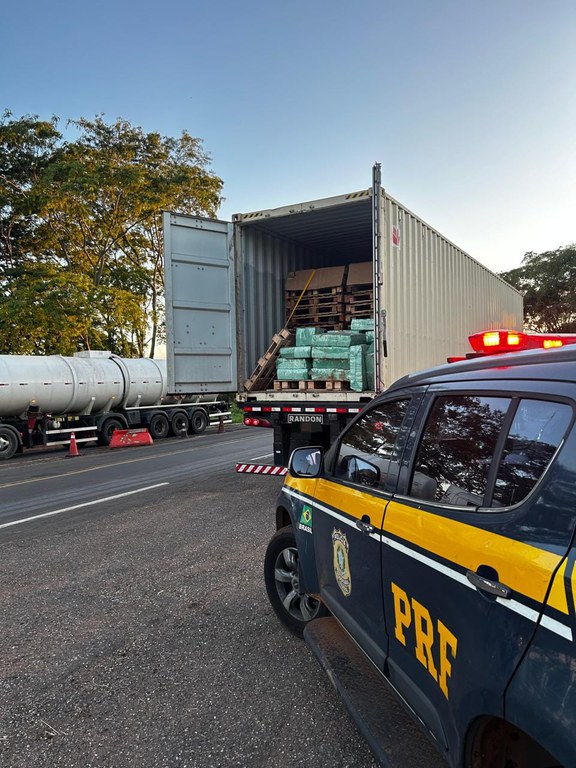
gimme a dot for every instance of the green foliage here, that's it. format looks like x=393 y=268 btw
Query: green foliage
x=80 y=231
x=547 y=281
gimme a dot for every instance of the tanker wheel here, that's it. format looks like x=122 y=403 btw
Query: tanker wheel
x=179 y=424
x=107 y=430
x=159 y=426
x=198 y=422
x=8 y=443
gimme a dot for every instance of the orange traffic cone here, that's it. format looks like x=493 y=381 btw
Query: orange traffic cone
x=221 y=425
x=73 y=451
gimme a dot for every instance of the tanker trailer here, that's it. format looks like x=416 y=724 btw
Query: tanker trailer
x=44 y=399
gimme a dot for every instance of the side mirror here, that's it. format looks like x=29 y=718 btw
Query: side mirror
x=306 y=462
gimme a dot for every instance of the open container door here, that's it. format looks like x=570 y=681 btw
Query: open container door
x=200 y=314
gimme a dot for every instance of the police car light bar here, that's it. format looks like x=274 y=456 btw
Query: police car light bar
x=497 y=341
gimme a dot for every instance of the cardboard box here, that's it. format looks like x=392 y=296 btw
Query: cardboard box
x=326 y=277
x=360 y=274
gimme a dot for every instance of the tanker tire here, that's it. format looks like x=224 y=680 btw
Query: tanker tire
x=281 y=577
x=159 y=426
x=198 y=422
x=107 y=430
x=179 y=424
x=8 y=443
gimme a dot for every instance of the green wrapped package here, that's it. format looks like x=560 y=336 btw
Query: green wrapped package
x=362 y=324
x=337 y=339
x=292 y=370
x=370 y=337
x=327 y=365
x=330 y=353
x=358 y=367
x=330 y=374
x=305 y=336
x=293 y=353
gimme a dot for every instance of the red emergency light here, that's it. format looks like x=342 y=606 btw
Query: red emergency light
x=498 y=341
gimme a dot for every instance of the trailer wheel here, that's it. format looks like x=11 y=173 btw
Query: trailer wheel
x=179 y=424
x=198 y=422
x=281 y=576
x=107 y=430
x=159 y=426
x=9 y=443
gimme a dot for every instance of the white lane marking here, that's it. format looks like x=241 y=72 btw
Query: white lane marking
x=152 y=457
x=80 y=506
x=265 y=455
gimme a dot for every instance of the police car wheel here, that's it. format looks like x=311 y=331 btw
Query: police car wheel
x=281 y=576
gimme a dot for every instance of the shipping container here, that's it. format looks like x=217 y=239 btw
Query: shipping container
x=226 y=297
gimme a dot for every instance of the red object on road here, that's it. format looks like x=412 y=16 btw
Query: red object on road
x=73 y=450
x=125 y=438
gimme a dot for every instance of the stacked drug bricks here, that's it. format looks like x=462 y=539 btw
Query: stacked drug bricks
x=329 y=360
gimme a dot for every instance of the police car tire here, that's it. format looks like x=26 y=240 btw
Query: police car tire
x=303 y=609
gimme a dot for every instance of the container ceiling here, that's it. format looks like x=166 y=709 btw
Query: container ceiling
x=343 y=231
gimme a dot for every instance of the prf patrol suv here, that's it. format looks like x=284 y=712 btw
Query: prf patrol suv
x=430 y=551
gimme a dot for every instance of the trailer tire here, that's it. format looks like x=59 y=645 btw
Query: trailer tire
x=198 y=421
x=9 y=443
x=107 y=430
x=281 y=577
x=159 y=426
x=179 y=424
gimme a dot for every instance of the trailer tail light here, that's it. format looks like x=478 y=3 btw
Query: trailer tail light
x=494 y=342
x=252 y=421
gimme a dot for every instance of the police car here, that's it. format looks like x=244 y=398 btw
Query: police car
x=431 y=552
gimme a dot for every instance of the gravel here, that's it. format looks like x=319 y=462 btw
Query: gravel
x=140 y=636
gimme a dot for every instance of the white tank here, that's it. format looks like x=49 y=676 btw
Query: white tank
x=89 y=382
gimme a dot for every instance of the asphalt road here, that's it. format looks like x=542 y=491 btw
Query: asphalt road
x=136 y=632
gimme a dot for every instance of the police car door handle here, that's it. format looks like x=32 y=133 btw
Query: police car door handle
x=487 y=585
x=364 y=525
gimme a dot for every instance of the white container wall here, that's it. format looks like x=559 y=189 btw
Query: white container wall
x=434 y=295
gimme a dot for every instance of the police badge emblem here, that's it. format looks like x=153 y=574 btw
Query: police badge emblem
x=341 y=564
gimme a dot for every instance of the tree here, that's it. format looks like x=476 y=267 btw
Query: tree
x=27 y=147
x=547 y=281
x=94 y=238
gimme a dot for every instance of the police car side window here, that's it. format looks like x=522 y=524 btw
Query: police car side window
x=537 y=430
x=368 y=448
x=455 y=453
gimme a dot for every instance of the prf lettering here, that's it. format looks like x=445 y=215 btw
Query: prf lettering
x=429 y=641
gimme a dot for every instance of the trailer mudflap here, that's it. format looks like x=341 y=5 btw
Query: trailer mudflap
x=394 y=737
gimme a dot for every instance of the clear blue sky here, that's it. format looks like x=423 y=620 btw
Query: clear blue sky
x=469 y=105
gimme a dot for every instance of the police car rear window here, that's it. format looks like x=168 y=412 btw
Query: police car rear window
x=462 y=440
x=456 y=450
x=537 y=430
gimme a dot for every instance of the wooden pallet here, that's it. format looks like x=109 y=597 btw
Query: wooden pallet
x=265 y=370
x=315 y=302
x=367 y=314
x=358 y=308
x=359 y=287
x=312 y=385
x=334 y=291
x=354 y=298
x=319 y=313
